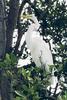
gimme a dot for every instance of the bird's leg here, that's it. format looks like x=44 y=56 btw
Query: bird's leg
x=40 y=58
x=44 y=66
x=47 y=41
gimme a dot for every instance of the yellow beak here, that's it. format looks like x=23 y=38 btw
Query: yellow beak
x=26 y=16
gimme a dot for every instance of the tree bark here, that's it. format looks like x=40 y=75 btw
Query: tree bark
x=2 y=30
x=6 y=93
x=2 y=46
x=6 y=89
x=11 y=23
x=20 y=32
x=5 y=85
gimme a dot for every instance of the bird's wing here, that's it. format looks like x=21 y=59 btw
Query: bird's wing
x=39 y=49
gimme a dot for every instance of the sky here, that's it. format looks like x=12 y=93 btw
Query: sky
x=62 y=0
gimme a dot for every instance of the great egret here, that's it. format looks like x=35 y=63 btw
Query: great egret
x=40 y=52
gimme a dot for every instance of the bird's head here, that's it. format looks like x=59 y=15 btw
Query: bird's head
x=33 y=19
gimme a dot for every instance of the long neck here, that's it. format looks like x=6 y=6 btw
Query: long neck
x=28 y=35
x=37 y=25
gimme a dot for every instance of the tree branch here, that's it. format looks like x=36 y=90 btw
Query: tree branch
x=21 y=32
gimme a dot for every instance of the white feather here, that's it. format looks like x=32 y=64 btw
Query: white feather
x=40 y=52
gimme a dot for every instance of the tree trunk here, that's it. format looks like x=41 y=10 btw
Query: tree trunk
x=5 y=85
x=6 y=42
x=2 y=30
x=11 y=23
x=6 y=90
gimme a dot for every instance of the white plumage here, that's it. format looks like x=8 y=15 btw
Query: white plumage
x=40 y=52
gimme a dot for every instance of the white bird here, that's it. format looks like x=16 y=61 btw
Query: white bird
x=40 y=52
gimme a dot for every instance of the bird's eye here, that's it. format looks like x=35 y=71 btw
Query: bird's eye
x=32 y=21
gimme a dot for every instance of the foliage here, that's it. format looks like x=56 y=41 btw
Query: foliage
x=8 y=65
x=9 y=61
x=30 y=83
x=63 y=96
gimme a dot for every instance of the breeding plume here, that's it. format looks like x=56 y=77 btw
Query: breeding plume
x=40 y=52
